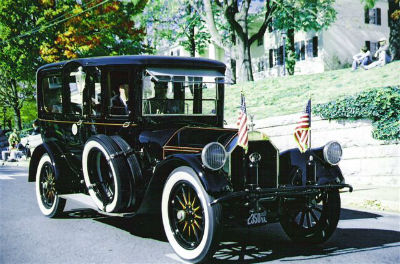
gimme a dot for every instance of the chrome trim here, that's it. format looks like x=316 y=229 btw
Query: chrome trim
x=203 y=155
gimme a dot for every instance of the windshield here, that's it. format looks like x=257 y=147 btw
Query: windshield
x=180 y=92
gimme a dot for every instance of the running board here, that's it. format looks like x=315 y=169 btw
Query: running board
x=87 y=201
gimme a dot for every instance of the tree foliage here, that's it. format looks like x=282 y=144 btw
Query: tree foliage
x=176 y=22
x=301 y=15
x=283 y=14
x=94 y=28
x=19 y=52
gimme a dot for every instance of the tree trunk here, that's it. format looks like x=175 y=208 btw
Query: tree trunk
x=290 y=54
x=233 y=69
x=17 y=118
x=394 y=25
x=15 y=106
x=245 y=70
x=192 y=46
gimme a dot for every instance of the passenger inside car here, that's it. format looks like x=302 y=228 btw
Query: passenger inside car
x=119 y=102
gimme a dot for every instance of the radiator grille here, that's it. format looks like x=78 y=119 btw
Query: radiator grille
x=242 y=174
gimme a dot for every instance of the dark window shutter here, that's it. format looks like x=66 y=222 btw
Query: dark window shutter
x=366 y=15
x=271 y=58
x=280 y=55
x=303 y=51
x=378 y=16
x=368 y=44
x=297 y=50
x=315 y=46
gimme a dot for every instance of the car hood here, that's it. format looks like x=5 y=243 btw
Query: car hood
x=185 y=140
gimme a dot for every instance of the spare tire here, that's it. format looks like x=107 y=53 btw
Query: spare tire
x=135 y=177
x=104 y=171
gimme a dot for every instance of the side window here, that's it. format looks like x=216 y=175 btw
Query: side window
x=118 y=92
x=52 y=93
x=76 y=83
x=94 y=85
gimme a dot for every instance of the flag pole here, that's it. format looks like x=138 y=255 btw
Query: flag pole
x=309 y=147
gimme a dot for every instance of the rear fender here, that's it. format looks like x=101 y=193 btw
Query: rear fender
x=64 y=183
x=293 y=160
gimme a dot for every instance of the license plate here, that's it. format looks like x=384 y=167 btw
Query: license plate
x=257 y=218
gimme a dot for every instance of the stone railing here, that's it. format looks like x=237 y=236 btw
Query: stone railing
x=366 y=161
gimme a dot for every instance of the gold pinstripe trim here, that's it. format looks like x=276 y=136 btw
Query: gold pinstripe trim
x=183 y=149
x=85 y=123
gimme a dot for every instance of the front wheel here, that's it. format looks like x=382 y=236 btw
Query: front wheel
x=50 y=204
x=313 y=220
x=191 y=224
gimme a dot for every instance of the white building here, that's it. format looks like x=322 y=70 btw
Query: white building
x=316 y=51
x=329 y=49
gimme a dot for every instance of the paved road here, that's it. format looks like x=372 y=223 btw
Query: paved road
x=84 y=236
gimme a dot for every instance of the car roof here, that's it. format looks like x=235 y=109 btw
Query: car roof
x=141 y=60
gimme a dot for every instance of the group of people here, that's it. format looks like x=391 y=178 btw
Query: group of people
x=14 y=140
x=364 y=58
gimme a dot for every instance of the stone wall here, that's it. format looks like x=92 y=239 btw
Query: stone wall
x=366 y=161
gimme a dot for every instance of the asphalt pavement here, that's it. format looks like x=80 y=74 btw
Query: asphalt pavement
x=82 y=235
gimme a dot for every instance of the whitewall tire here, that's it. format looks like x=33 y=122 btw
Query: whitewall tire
x=50 y=204
x=106 y=174
x=191 y=224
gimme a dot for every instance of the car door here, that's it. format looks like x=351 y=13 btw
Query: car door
x=74 y=79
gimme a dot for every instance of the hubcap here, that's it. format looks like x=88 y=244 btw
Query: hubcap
x=187 y=215
x=47 y=185
x=309 y=216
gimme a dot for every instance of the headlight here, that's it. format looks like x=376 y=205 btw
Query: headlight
x=333 y=152
x=214 y=156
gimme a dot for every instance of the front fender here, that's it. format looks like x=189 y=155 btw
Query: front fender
x=292 y=159
x=213 y=182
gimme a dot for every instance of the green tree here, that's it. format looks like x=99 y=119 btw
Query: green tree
x=171 y=22
x=95 y=28
x=19 y=52
x=301 y=15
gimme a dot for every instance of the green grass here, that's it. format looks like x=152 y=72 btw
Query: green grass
x=287 y=95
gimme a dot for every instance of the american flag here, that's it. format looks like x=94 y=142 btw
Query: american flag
x=302 y=131
x=242 y=124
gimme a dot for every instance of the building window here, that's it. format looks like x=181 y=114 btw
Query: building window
x=372 y=16
x=271 y=58
x=260 y=41
x=372 y=46
x=178 y=52
x=315 y=46
x=172 y=53
x=302 y=50
x=309 y=48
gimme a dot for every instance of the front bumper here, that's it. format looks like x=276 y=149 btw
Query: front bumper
x=284 y=191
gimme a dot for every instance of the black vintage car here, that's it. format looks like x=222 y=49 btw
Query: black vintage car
x=145 y=134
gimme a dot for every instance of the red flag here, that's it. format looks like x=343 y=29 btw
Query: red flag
x=302 y=131
x=242 y=124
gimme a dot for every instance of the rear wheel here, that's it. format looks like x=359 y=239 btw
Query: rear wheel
x=50 y=204
x=314 y=220
x=191 y=224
